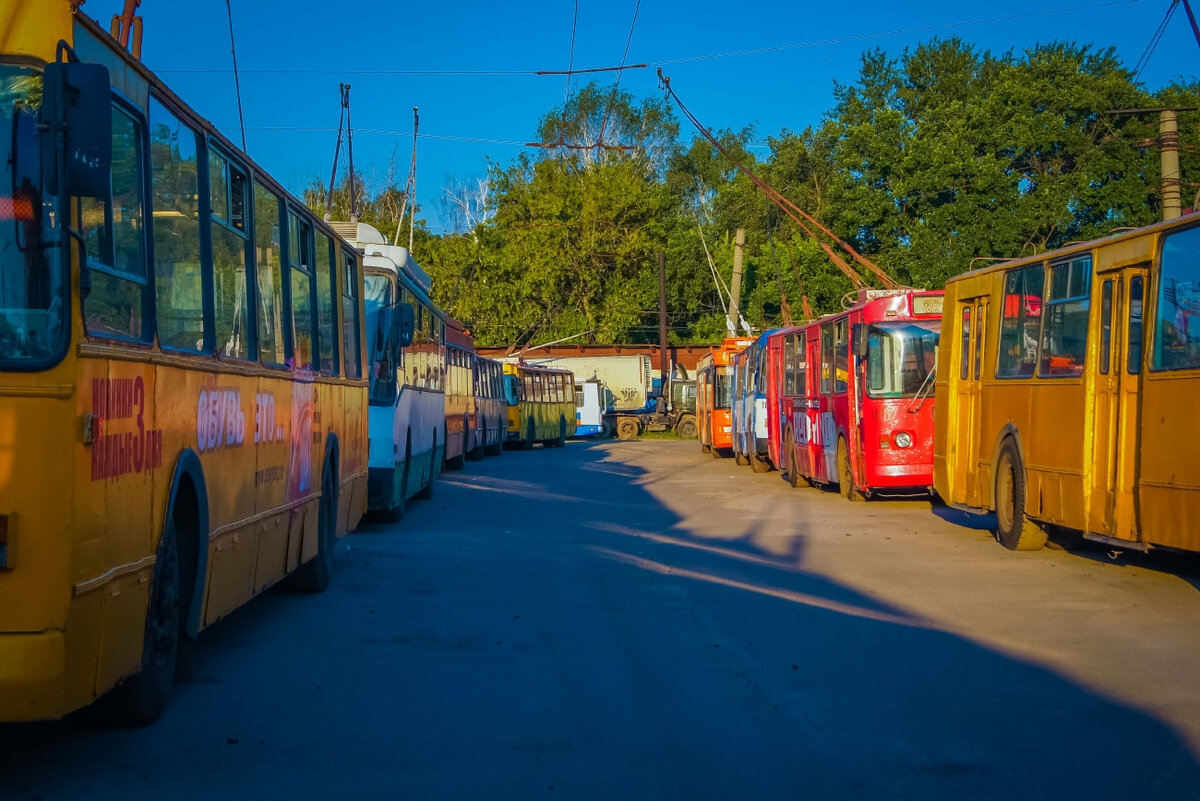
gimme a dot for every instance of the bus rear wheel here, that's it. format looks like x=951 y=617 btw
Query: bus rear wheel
x=845 y=474
x=1014 y=529
x=793 y=467
x=562 y=433
x=313 y=576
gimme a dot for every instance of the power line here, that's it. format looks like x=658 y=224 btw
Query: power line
x=730 y=54
x=1144 y=61
x=897 y=32
x=236 y=83
x=617 y=82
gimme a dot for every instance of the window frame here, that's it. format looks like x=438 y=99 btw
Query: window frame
x=1042 y=371
x=281 y=205
x=204 y=212
x=122 y=105
x=1004 y=274
x=247 y=236
x=306 y=238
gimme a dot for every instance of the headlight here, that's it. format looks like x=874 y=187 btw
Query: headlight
x=903 y=440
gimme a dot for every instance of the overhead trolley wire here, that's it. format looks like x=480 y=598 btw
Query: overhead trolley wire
x=787 y=206
x=1144 y=61
x=683 y=59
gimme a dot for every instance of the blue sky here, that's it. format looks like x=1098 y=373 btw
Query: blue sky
x=789 y=88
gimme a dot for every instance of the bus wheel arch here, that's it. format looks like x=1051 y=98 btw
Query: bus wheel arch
x=846 y=484
x=187 y=507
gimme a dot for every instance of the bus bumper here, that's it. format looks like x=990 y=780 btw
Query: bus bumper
x=901 y=475
x=382 y=491
x=32 y=673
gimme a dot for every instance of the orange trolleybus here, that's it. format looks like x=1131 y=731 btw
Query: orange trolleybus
x=183 y=412
x=714 y=396
x=850 y=397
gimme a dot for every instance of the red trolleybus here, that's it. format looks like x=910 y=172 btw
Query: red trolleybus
x=714 y=396
x=850 y=397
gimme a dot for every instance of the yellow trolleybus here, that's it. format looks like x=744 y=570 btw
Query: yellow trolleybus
x=183 y=414
x=541 y=405
x=1067 y=396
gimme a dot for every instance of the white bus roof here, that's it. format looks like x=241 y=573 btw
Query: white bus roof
x=379 y=254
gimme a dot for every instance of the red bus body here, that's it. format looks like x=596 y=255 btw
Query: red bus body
x=877 y=404
x=714 y=396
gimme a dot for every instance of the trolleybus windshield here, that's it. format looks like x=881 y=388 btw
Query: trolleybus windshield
x=31 y=282
x=377 y=297
x=900 y=357
x=723 y=390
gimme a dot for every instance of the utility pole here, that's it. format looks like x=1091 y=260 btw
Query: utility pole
x=662 y=322
x=1168 y=153
x=735 y=287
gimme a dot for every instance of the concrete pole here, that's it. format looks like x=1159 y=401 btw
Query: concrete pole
x=663 y=367
x=1168 y=145
x=735 y=287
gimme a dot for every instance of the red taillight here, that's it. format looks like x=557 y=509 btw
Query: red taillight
x=4 y=542
x=18 y=208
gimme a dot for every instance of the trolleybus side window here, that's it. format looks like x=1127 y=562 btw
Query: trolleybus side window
x=350 y=325
x=1064 y=331
x=789 y=369
x=1106 y=302
x=1020 y=322
x=227 y=200
x=116 y=249
x=1177 y=327
x=964 y=371
x=326 y=314
x=980 y=318
x=827 y=358
x=301 y=271
x=842 y=356
x=800 y=362
x=1134 y=365
x=268 y=269
x=178 y=270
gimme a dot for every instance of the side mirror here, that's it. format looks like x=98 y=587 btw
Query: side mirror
x=404 y=322
x=77 y=101
x=861 y=343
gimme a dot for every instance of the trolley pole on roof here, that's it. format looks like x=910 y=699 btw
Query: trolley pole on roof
x=663 y=367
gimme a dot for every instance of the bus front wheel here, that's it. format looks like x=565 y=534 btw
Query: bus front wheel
x=1014 y=529
x=845 y=474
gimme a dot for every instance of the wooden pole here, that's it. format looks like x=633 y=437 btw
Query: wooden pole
x=735 y=287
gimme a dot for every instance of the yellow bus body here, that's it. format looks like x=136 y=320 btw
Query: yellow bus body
x=1107 y=440
x=542 y=409
x=99 y=448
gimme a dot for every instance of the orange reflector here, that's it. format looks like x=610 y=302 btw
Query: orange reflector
x=19 y=208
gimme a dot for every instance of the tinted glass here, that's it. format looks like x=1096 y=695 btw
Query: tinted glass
x=1177 y=327
x=268 y=268
x=1065 y=327
x=326 y=322
x=1105 y=326
x=178 y=276
x=900 y=358
x=1020 y=322
x=1134 y=353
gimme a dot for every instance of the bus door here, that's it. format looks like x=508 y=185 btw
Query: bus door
x=968 y=478
x=1117 y=374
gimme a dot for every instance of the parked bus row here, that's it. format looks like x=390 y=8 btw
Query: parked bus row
x=1057 y=398
x=204 y=384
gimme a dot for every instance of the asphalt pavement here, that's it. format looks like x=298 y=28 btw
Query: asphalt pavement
x=638 y=620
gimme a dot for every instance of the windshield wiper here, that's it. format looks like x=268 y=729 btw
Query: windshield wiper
x=923 y=391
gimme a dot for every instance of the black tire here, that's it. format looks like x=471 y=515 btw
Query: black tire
x=530 y=433
x=845 y=475
x=397 y=511
x=457 y=462
x=562 y=433
x=1014 y=529
x=759 y=464
x=738 y=457
x=686 y=427
x=427 y=491
x=789 y=459
x=141 y=698
x=496 y=448
x=705 y=448
x=314 y=575
x=606 y=429
x=628 y=428
x=720 y=453
x=477 y=449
